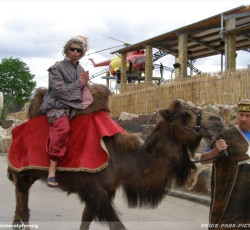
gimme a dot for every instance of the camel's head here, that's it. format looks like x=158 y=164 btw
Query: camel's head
x=189 y=124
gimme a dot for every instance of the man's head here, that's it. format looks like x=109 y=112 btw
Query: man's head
x=244 y=115
x=78 y=44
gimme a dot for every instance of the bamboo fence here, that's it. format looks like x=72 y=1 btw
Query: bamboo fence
x=141 y=98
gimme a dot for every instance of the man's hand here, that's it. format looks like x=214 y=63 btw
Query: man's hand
x=220 y=145
x=84 y=77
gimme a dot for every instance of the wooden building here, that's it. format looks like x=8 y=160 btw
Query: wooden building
x=222 y=34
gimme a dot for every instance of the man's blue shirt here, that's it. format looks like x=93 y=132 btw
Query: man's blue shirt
x=247 y=134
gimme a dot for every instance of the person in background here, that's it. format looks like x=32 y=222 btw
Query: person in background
x=118 y=76
x=67 y=91
x=230 y=184
x=130 y=67
x=161 y=70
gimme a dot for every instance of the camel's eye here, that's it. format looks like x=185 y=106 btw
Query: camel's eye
x=185 y=117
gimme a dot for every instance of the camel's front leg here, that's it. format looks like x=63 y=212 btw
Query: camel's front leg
x=99 y=206
x=87 y=218
x=118 y=225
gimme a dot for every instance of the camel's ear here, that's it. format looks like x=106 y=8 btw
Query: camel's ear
x=165 y=114
x=168 y=113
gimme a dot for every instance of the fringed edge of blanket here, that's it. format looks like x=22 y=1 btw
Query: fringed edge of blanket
x=89 y=170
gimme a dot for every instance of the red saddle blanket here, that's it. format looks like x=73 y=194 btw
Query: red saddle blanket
x=84 y=152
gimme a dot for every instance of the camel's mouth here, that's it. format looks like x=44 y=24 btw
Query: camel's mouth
x=215 y=131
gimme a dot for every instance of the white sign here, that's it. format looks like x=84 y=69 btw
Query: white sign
x=1 y=100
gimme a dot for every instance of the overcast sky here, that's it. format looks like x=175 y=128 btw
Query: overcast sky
x=35 y=31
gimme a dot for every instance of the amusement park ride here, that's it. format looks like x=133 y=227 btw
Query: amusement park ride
x=136 y=58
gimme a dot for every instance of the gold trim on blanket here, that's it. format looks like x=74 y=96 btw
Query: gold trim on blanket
x=59 y=168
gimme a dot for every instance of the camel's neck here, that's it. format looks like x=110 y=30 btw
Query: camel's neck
x=145 y=176
x=150 y=162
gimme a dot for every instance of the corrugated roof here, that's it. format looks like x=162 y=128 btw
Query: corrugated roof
x=205 y=37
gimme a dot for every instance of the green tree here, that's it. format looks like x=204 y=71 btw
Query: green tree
x=16 y=83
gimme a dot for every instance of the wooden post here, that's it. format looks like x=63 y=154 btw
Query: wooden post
x=123 y=69
x=230 y=45
x=107 y=83
x=182 y=47
x=148 y=64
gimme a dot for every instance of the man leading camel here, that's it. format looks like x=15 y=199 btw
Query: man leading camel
x=230 y=187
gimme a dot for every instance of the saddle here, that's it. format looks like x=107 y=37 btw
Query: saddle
x=85 y=152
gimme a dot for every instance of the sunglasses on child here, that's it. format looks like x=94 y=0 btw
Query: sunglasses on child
x=73 y=49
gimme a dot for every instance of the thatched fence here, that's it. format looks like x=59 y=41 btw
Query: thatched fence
x=226 y=88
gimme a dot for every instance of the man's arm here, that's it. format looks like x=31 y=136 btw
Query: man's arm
x=208 y=157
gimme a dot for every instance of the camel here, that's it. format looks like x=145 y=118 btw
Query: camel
x=142 y=169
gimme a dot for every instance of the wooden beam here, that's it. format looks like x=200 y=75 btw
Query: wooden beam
x=206 y=44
